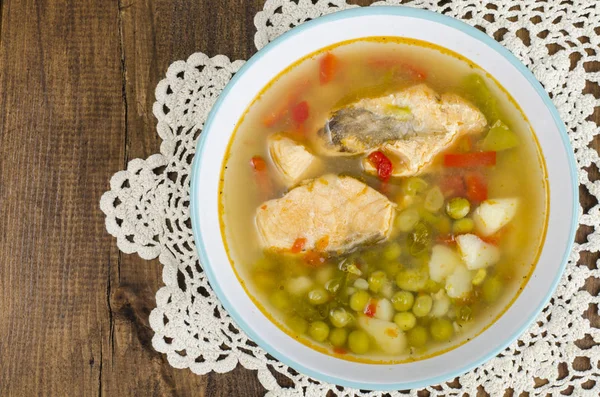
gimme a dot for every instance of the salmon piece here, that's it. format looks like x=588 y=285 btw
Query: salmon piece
x=410 y=127
x=340 y=209
x=291 y=158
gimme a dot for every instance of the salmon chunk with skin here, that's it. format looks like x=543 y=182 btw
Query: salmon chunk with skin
x=410 y=126
x=339 y=210
x=291 y=158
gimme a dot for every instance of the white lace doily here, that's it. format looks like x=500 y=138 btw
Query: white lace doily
x=147 y=208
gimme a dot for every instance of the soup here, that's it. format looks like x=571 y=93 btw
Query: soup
x=383 y=200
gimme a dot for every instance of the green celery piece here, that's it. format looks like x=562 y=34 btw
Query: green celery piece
x=478 y=92
x=499 y=138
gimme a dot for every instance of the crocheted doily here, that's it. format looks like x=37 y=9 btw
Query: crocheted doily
x=147 y=207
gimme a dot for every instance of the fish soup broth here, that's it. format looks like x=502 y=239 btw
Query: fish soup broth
x=383 y=200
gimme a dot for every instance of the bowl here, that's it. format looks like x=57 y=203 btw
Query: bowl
x=385 y=21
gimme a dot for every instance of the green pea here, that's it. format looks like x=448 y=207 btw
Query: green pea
x=280 y=300
x=412 y=279
x=403 y=300
x=359 y=300
x=376 y=280
x=465 y=313
x=405 y=320
x=414 y=186
x=419 y=239
x=391 y=268
x=338 y=337
x=334 y=285
x=441 y=329
x=492 y=289
x=318 y=330
x=458 y=207
x=339 y=317
x=479 y=277
x=265 y=263
x=265 y=280
x=318 y=296
x=462 y=226
x=422 y=305
x=434 y=200
x=417 y=337
x=392 y=251
x=407 y=219
x=358 y=342
x=298 y=324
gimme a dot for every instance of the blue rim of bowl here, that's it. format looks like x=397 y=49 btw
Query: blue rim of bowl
x=353 y=13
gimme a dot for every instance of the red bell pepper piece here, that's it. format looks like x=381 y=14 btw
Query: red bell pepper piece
x=473 y=159
x=477 y=190
x=382 y=164
x=371 y=308
x=300 y=112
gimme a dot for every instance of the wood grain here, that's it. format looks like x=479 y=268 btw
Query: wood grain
x=77 y=87
x=153 y=35
x=61 y=136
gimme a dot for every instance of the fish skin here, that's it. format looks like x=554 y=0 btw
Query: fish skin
x=434 y=123
x=341 y=209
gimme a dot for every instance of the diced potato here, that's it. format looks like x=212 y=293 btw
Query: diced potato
x=492 y=215
x=442 y=262
x=361 y=283
x=387 y=335
x=476 y=253
x=299 y=285
x=384 y=310
x=458 y=284
x=387 y=290
x=325 y=274
x=441 y=304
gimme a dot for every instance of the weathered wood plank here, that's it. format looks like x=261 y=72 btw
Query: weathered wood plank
x=61 y=137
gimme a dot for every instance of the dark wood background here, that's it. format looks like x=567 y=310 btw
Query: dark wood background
x=76 y=92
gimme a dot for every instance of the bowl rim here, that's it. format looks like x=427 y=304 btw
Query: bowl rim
x=395 y=11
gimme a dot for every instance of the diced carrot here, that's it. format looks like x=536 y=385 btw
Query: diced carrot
x=417 y=73
x=452 y=186
x=495 y=238
x=477 y=190
x=371 y=308
x=272 y=118
x=382 y=164
x=314 y=259
x=322 y=243
x=339 y=350
x=283 y=108
x=262 y=176
x=474 y=159
x=298 y=245
x=258 y=163
x=447 y=239
x=391 y=332
x=300 y=112
x=328 y=66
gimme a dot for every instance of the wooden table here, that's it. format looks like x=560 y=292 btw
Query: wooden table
x=77 y=87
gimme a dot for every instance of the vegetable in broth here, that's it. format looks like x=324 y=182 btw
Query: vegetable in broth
x=383 y=200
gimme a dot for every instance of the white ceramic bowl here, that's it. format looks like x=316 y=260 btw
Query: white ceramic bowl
x=385 y=21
